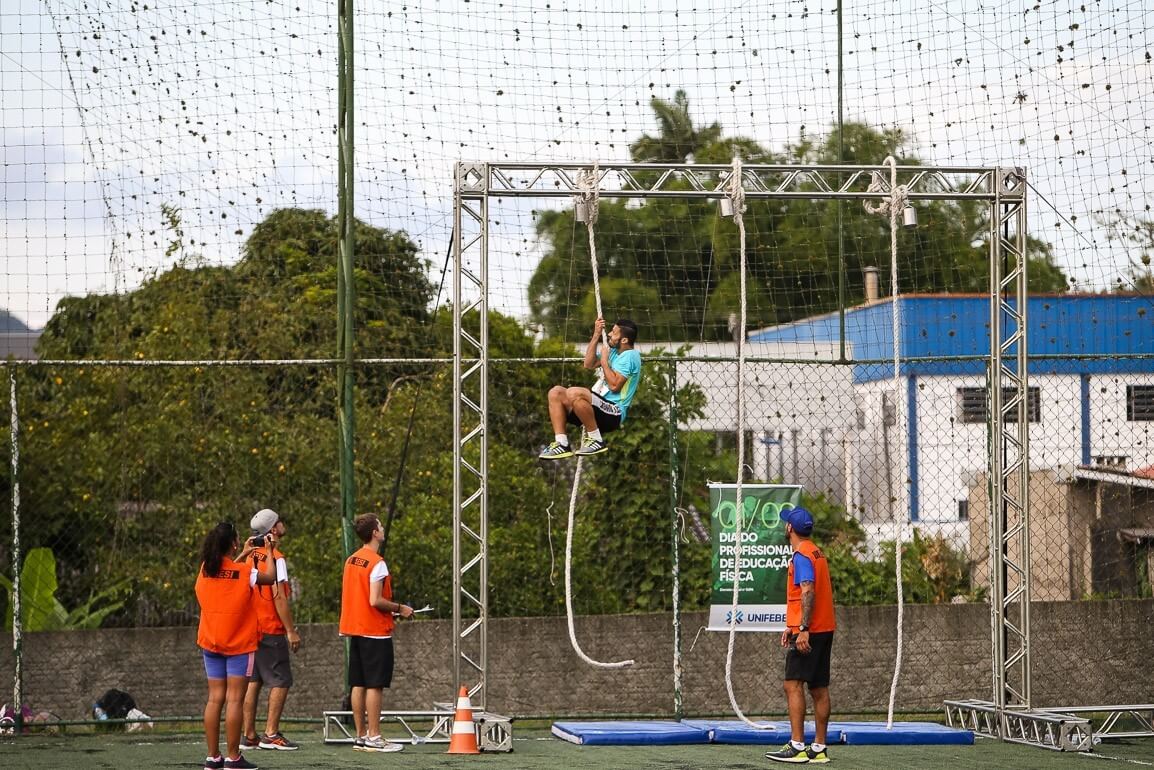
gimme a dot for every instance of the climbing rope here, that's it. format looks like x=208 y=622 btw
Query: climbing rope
x=894 y=206
x=736 y=194
x=587 y=182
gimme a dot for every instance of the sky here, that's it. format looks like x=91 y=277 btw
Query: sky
x=227 y=110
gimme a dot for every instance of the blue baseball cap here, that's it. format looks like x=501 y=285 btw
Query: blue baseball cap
x=800 y=519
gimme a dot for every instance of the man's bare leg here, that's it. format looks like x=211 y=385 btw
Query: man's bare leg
x=251 y=700
x=795 y=696
x=558 y=408
x=581 y=401
x=820 y=697
x=276 y=699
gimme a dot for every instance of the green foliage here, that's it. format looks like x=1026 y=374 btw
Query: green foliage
x=125 y=469
x=40 y=610
x=672 y=263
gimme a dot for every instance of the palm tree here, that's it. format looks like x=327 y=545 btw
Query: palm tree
x=678 y=139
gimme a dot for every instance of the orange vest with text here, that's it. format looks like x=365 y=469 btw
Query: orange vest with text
x=821 y=616
x=358 y=617
x=263 y=598
x=227 y=622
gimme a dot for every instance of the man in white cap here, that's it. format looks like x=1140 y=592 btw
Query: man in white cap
x=278 y=636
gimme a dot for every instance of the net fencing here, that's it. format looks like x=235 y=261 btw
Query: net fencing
x=170 y=211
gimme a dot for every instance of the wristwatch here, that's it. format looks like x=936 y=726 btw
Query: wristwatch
x=802 y=629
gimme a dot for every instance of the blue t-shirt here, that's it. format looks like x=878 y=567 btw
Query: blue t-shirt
x=802 y=569
x=628 y=364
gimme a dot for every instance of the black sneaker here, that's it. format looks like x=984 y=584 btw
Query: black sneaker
x=278 y=742
x=591 y=446
x=788 y=753
x=556 y=451
x=249 y=743
x=214 y=763
x=240 y=763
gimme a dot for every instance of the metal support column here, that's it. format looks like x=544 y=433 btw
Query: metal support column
x=1009 y=414
x=346 y=218
x=470 y=427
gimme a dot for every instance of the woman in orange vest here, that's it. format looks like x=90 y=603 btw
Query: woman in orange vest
x=228 y=635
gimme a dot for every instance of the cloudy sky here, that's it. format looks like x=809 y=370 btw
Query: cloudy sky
x=226 y=111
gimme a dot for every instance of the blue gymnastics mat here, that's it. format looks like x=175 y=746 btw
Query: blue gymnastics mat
x=735 y=731
x=731 y=731
x=903 y=733
x=649 y=733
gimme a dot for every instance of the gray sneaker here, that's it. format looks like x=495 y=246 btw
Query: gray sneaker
x=591 y=446
x=556 y=451
x=379 y=744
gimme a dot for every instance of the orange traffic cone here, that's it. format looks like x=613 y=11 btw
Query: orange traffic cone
x=464 y=737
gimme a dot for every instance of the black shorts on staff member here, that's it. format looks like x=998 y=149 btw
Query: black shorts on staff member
x=810 y=667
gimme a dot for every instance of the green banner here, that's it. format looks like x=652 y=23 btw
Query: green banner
x=765 y=554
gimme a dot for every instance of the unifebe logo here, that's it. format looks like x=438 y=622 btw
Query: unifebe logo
x=731 y=620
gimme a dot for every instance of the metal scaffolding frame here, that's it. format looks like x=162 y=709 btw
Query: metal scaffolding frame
x=1008 y=401
x=475 y=184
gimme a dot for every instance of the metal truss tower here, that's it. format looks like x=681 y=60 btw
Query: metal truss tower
x=1004 y=192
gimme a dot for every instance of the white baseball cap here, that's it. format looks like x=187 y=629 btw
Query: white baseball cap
x=263 y=521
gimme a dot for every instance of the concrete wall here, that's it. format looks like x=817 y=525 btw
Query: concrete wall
x=534 y=671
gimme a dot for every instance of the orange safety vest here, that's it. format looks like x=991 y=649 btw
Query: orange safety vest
x=821 y=616
x=358 y=617
x=227 y=622
x=263 y=598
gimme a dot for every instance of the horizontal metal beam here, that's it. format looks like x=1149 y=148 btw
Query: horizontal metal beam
x=712 y=181
x=1044 y=729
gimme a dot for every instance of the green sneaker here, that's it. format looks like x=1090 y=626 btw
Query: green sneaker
x=556 y=451
x=788 y=753
x=817 y=757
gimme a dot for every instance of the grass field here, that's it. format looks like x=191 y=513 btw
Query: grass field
x=535 y=749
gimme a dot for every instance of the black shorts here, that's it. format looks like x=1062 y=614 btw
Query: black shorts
x=370 y=662
x=607 y=415
x=813 y=666
x=272 y=662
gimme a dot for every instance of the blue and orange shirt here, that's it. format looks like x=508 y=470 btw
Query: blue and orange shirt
x=809 y=563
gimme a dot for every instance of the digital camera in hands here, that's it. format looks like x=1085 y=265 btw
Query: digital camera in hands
x=260 y=541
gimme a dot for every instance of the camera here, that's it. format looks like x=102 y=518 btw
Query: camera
x=260 y=541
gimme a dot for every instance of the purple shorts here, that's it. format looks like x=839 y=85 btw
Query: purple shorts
x=217 y=666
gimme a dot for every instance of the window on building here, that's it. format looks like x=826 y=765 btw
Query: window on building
x=1140 y=403
x=963 y=510
x=972 y=405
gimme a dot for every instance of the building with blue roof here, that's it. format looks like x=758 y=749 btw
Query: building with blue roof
x=915 y=442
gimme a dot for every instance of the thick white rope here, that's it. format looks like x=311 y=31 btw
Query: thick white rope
x=587 y=182
x=899 y=197
x=737 y=197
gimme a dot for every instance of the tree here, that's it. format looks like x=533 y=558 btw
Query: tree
x=125 y=466
x=1136 y=234
x=673 y=262
x=678 y=139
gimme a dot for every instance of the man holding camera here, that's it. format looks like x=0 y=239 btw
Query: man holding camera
x=278 y=636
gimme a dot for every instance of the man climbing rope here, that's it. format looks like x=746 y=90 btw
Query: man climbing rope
x=601 y=409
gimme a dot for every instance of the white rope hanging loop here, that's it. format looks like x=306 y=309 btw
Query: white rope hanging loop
x=736 y=197
x=894 y=206
x=587 y=182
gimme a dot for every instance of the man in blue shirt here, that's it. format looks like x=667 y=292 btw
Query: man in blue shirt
x=602 y=408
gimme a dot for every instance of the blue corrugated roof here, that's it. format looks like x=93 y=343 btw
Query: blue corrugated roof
x=1104 y=329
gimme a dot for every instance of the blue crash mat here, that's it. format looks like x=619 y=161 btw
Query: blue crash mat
x=735 y=731
x=629 y=733
x=904 y=733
